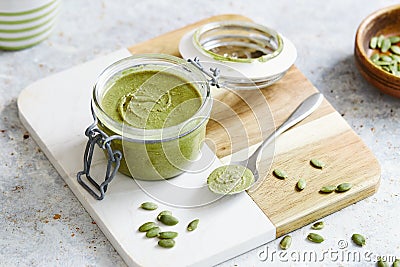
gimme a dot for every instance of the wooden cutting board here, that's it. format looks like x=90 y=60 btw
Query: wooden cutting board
x=324 y=135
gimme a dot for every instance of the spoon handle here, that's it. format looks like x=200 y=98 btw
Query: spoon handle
x=308 y=106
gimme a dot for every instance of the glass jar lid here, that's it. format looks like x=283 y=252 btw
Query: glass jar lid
x=249 y=55
x=237 y=42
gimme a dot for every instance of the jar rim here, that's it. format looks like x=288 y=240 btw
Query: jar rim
x=133 y=134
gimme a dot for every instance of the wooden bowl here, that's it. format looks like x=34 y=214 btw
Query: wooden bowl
x=385 y=21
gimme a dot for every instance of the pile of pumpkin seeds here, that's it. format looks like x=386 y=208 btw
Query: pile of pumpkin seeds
x=301 y=183
x=281 y=174
x=343 y=187
x=152 y=230
x=286 y=241
x=387 y=55
x=357 y=239
x=382 y=263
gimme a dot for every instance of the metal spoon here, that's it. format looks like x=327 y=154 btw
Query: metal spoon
x=308 y=106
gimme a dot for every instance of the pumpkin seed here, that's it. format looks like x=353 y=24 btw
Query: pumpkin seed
x=395 y=49
x=396 y=263
x=149 y=206
x=168 y=220
x=358 y=239
x=343 y=187
x=147 y=226
x=382 y=263
x=166 y=243
x=396 y=57
x=318 y=225
x=373 y=42
x=375 y=57
x=301 y=184
x=317 y=163
x=380 y=40
x=393 y=69
x=393 y=39
x=192 y=225
x=286 y=242
x=153 y=232
x=167 y=235
x=386 y=68
x=164 y=212
x=327 y=189
x=386 y=58
x=382 y=63
x=280 y=174
x=385 y=45
x=316 y=238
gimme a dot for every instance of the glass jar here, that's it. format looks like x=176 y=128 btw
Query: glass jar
x=154 y=154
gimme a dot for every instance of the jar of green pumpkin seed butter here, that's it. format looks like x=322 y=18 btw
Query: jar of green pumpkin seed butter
x=150 y=111
x=153 y=109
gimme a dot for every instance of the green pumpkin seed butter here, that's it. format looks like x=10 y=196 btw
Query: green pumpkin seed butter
x=230 y=179
x=153 y=99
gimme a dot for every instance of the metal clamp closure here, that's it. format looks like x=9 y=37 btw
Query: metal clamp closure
x=97 y=136
x=213 y=74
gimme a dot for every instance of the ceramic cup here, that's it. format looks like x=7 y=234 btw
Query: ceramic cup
x=26 y=23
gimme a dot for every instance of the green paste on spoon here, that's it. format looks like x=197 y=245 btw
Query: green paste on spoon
x=230 y=179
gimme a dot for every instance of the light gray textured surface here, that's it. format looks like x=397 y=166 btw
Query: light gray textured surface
x=32 y=192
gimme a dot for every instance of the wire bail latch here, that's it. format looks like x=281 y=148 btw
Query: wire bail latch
x=213 y=74
x=97 y=136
